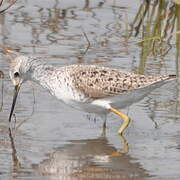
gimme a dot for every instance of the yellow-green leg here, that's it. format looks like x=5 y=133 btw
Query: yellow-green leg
x=124 y=117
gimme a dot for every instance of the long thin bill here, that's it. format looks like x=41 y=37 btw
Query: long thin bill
x=16 y=90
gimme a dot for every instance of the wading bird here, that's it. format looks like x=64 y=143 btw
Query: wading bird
x=89 y=88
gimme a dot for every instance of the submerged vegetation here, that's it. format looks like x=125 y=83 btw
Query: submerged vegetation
x=11 y=3
x=1 y=89
x=157 y=25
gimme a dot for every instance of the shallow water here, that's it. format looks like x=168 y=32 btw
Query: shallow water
x=53 y=141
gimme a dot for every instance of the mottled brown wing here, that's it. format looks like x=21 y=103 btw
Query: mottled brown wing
x=101 y=82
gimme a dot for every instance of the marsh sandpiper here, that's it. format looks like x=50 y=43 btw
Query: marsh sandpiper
x=90 y=88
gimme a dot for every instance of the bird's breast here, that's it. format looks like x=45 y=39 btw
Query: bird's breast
x=78 y=100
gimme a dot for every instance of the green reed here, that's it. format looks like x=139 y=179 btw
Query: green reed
x=157 y=25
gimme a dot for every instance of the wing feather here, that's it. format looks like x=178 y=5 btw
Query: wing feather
x=100 y=82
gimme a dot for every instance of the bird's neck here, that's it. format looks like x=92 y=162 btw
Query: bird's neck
x=41 y=73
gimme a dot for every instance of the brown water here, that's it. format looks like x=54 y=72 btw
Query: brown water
x=53 y=141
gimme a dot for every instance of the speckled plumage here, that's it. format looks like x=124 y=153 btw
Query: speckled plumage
x=89 y=88
x=84 y=83
x=100 y=82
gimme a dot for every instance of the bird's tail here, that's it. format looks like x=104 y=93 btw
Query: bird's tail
x=172 y=76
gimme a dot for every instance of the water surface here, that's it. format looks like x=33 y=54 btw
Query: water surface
x=53 y=141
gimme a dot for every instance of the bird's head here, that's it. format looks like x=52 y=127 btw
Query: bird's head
x=19 y=72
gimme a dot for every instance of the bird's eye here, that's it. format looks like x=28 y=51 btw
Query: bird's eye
x=16 y=74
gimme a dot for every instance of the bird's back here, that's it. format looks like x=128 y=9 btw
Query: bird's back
x=101 y=82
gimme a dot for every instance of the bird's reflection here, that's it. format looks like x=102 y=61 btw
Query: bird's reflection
x=91 y=159
x=16 y=162
x=86 y=159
